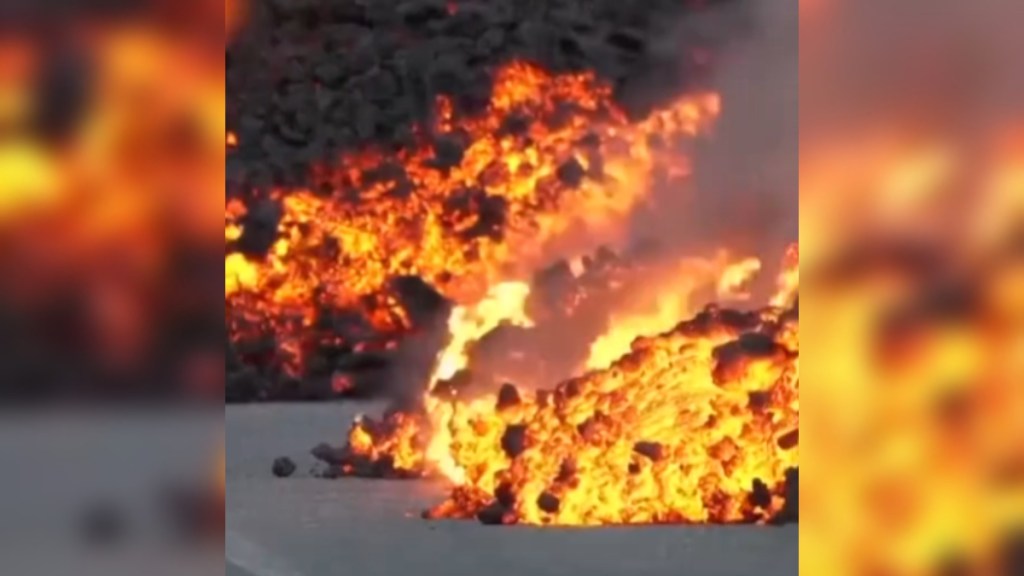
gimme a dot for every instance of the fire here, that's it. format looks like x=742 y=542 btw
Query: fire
x=678 y=430
x=672 y=301
x=551 y=157
x=504 y=303
x=698 y=424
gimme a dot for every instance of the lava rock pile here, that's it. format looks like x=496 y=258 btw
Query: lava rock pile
x=307 y=80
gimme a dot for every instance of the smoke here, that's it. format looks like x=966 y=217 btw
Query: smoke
x=744 y=190
x=887 y=82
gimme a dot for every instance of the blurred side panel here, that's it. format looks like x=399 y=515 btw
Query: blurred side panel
x=110 y=492
x=912 y=256
x=112 y=155
x=111 y=175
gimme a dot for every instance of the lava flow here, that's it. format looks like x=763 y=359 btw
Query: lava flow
x=669 y=422
x=698 y=424
x=480 y=199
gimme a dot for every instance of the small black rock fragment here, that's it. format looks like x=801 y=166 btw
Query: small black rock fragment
x=548 y=502
x=571 y=173
x=513 y=441
x=62 y=92
x=790 y=512
x=653 y=450
x=789 y=440
x=759 y=399
x=448 y=152
x=508 y=396
x=760 y=495
x=492 y=515
x=283 y=467
x=505 y=495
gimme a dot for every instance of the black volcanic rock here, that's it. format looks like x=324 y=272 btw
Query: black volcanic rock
x=283 y=467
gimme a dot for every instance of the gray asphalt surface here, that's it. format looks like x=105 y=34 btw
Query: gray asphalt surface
x=58 y=464
x=303 y=526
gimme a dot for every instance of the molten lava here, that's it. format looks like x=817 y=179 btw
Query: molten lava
x=697 y=424
x=483 y=199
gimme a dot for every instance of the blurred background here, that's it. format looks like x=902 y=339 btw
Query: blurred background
x=111 y=146
x=111 y=164
x=911 y=206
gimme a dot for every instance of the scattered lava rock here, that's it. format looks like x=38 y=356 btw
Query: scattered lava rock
x=513 y=441
x=789 y=440
x=790 y=513
x=283 y=467
x=760 y=495
x=571 y=173
x=652 y=450
x=508 y=396
x=548 y=502
x=505 y=495
x=493 y=514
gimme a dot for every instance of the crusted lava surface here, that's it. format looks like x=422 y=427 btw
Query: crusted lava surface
x=698 y=424
x=390 y=160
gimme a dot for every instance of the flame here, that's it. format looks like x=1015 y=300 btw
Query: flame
x=672 y=301
x=504 y=303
